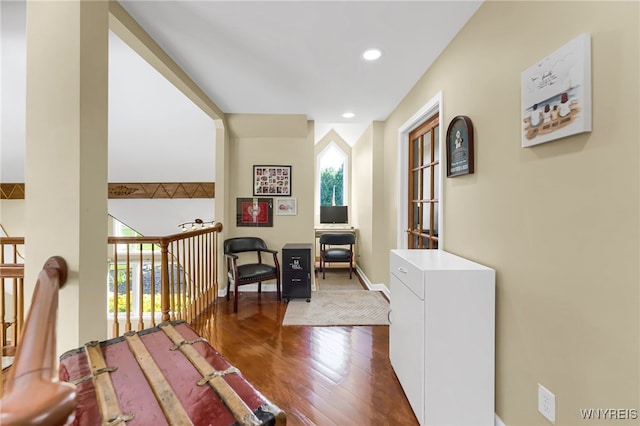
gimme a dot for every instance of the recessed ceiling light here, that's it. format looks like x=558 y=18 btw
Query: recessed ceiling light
x=371 y=54
x=348 y=115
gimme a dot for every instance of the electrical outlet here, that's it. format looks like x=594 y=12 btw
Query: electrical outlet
x=547 y=403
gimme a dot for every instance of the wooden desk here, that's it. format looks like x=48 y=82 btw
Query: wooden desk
x=319 y=230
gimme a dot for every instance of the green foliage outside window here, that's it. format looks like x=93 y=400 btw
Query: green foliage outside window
x=332 y=180
x=146 y=303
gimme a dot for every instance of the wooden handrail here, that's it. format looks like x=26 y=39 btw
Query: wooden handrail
x=12 y=244
x=166 y=239
x=13 y=240
x=33 y=395
x=12 y=270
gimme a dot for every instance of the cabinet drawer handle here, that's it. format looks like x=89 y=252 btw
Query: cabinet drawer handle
x=296 y=279
x=401 y=269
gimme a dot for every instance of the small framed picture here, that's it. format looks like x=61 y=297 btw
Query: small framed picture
x=254 y=212
x=272 y=181
x=286 y=207
x=460 y=146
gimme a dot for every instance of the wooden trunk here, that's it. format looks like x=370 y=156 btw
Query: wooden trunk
x=166 y=375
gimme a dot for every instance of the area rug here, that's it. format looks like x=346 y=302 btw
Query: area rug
x=337 y=279
x=342 y=307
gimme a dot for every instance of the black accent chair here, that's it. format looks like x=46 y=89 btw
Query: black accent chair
x=329 y=253
x=249 y=273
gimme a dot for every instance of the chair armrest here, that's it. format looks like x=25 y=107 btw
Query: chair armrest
x=270 y=251
x=231 y=256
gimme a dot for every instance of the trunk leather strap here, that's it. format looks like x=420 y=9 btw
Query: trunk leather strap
x=242 y=413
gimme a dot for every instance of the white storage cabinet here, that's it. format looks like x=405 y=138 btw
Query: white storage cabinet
x=442 y=336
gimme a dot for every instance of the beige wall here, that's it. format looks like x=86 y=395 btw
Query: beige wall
x=256 y=139
x=66 y=158
x=362 y=197
x=368 y=199
x=12 y=217
x=559 y=221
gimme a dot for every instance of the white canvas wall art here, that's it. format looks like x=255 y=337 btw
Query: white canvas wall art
x=556 y=94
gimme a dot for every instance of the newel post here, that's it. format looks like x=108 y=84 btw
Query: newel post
x=164 y=294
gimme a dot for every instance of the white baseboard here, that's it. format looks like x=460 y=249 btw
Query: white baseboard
x=272 y=286
x=266 y=287
x=373 y=287
x=499 y=421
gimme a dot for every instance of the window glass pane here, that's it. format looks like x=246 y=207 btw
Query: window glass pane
x=332 y=187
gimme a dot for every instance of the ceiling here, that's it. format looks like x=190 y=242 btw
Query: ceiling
x=304 y=57
x=286 y=57
x=289 y=57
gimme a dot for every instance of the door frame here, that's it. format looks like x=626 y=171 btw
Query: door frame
x=428 y=110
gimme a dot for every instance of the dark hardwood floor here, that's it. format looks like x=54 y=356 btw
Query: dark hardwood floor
x=317 y=375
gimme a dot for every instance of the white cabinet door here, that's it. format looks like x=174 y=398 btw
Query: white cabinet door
x=406 y=343
x=441 y=338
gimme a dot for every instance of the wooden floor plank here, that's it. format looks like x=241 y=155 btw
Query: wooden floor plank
x=317 y=375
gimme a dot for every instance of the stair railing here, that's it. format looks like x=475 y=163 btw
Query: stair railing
x=32 y=392
x=176 y=278
x=180 y=270
x=11 y=293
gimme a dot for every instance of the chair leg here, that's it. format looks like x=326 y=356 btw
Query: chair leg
x=350 y=267
x=278 y=288
x=260 y=287
x=235 y=298
x=323 y=266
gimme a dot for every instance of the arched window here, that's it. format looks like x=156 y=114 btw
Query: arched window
x=333 y=176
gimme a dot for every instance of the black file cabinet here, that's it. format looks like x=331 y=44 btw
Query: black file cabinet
x=296 y=271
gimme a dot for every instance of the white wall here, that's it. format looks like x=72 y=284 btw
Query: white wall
x=161 y=217
x=156 y=134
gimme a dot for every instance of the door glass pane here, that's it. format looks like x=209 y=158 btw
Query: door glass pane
x=436 y=168
x=434 y=242
x=426 y=215
x=436 y=182
x=426 y=154
x=435 y=219
x=425 y=242
x=415 y=191
x=416 y=152
x=426 y=182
